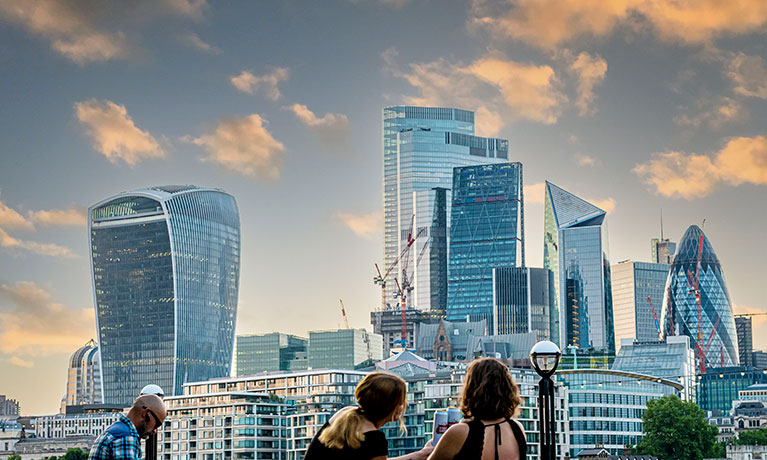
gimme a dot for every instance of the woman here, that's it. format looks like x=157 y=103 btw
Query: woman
x=353 y=432
x=490 y=398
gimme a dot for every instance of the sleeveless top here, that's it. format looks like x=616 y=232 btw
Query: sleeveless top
x=374 y=445
x=472 y=447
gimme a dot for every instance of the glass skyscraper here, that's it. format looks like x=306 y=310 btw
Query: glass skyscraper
x=485 y=230
x=523 y=299
x=575 y=249
x=421 y=146
x=716 y=308
x=166 y=266
x=633 y=283
x=257 y=353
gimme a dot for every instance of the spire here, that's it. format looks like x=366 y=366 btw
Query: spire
x=661 y=224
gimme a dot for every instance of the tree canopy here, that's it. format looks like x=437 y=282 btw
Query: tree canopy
x=756 y=437
x=75 y=453
x=678 y=430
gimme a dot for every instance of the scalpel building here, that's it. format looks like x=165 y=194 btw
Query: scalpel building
x=165 y=264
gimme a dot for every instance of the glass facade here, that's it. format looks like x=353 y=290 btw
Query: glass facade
x=344 y=349
x=575 y=249
x=632 y=284
x=720 y=348
x=719 y=387
x=662 y=250
x=484 y=234
x=258 y=353
x=523 y=301
x=745 y=340
x=421 y=146
x=165 y=264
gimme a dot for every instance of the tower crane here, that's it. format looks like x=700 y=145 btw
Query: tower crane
x=343 y=312
x=655 y=317
x=382 y=278
x=745 y=315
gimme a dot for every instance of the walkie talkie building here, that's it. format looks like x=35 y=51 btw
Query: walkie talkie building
x=165 y=264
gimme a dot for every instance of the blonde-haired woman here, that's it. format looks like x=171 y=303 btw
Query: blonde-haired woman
x=353 y=432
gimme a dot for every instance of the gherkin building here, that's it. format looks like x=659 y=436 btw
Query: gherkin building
x=713 y=335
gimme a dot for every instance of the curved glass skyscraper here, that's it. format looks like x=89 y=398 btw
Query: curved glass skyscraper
x=166 y=268
x=716 y=310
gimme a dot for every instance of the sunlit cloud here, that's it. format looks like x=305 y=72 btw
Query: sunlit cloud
x=607 y=205
x=366 y=226
x=244 y=146
x=590 y=71
x=72 y=217
x=743 y=160
x=331 y=127
x=269 y=83
x=12 y=219
x=748 y=75
x=535 y=193
x=33 y=324
x=713 y=114
x=113 y=133
x=19 y=362
x=585 y=160
x=550 y=23
x=43 y=249
x=193 y=40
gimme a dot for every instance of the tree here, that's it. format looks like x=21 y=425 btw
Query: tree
x=678 y=430
x=752 y=437
x=15 y=457
x=75 y=453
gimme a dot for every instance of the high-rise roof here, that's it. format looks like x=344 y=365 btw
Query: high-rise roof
x=571 y=211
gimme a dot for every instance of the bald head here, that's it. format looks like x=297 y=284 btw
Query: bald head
x=147 y=414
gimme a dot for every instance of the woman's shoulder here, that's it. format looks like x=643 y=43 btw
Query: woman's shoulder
x=341 y=411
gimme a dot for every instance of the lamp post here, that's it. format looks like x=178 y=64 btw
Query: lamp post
x=151 y=441
x=545 y=358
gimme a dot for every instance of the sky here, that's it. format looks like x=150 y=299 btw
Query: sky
x=636 y=106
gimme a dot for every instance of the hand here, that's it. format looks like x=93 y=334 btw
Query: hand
x=424 y=453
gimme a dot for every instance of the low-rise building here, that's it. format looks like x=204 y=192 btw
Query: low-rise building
x=448 y=340
x=73 y=425
x=735 y=452
x=9 y=407
x=344 y=349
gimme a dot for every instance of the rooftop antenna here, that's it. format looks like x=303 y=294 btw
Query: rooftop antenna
x=661 y=224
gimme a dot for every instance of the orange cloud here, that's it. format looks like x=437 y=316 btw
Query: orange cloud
x=113 y=133
x=748 y=75
x=675 y=174
x=585 y=160
x=714 y=114
x=44 y=249
x=606 y=205
x=249 y=83
x=244 y=145
x=367 y=226
x=33 y=324
x=549 y=23
x=590 y=71
x=535 y=193
x=10 y=218
x=74 y=217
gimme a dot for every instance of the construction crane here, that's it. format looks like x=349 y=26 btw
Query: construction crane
x=708 y=345
x=382 y=278
x=694 y=288
x=343 y=313
x=655 y=317
x=745 y=315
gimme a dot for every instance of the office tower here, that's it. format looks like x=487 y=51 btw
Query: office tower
x=575 y=249
x=672 y=359
x=388 y=324
x=696 y=268
x=745 y=340
x=485 y=230
x=523 y=299
x=166 y=267
x=83 y=377
x=720 y=387
x=344 y=349
x=439 y=236
x=662 y=249
x=632 y=284
x=9 y=407
x=421 y=146
x=258 y=353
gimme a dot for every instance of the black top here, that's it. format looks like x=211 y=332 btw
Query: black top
x=475 y=441
x=374 y=445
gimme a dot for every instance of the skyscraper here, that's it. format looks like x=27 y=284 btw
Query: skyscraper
x=276 y=351
x=662 y=250
x=575 y=249
x=83 y=377
x=343 y=349
x=696 y=258
x=523 y=301
x=632 y=284
x=485 y=230
x=745 y=340
x=166 y=267
x=421 y=146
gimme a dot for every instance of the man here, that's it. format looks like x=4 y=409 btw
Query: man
x=121 y=441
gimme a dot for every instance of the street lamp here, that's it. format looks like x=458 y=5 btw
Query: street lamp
x=151 y=441
x=545 y=358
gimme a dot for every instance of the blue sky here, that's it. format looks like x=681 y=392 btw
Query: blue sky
x=636 y=106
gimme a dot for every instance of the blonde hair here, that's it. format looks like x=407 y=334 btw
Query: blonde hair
x=380 y=396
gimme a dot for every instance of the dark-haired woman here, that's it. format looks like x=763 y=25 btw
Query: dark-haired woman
x=489 y=401
x=353 y=432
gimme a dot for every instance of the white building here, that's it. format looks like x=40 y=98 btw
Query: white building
x=83 y=377
x=71 y=425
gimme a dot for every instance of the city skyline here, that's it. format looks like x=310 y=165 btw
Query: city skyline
x=643 y=110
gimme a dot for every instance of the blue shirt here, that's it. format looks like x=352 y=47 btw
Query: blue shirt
x=119 y=442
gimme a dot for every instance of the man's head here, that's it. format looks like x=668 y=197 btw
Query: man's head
x=147 y=414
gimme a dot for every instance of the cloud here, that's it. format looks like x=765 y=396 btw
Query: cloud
x=113 y=133
x=74 y=217
x=590 y=71
x=16 y=361
x=714 y=113
x=33 y=324
x=585 y=160
x=535 y=193
x=249 y=83
x=44 y=249
x=748 y=75
x=494 y=86
x=331 y=127
x=607 y=205
x=193 y=40
x=743 y=160
x=366 y=226
x=10 y=218
x=243 y=145
x=550 y=23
